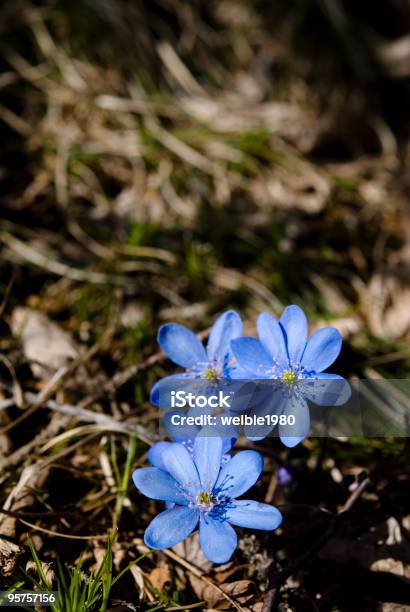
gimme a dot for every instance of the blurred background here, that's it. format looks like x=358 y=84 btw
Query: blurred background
x=169 y=160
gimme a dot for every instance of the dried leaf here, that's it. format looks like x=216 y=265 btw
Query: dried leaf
x=45 y=344
x=9 y=556
x=393 y=607
x=256 y=607
x=191 y=551
x=385 y=303
x=238 y=590
x=331 y=295
x=392 y=566
x=160 y=576
x=308 y=190
x=31 y=568
x=139 y=579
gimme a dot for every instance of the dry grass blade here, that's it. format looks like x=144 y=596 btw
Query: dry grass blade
x=31 y=256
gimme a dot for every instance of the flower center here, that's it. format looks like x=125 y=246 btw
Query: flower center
x=211 y=374
x=288 y=377
x=205 y=500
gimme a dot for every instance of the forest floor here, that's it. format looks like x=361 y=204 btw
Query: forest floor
x=166 y=163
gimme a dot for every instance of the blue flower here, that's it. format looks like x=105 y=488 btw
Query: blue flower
x=283 y=476
x=154 y=454
x=185 y=349
x=296 y=363
x=204 y=492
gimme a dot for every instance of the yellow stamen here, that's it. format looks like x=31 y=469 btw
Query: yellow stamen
x=288 y=377
x=211 y=374
x=204 y=498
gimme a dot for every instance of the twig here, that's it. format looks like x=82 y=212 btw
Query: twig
x=122 y=377
x=56 y=423
x=14 y=121
x=186 y=607
x=354 y=496
x=30 y=255
x=17 y=392
x=58 y=534
x=58 y=380
x=104 y=420
x=6 y=295
x=19 y=497
x=180 y=148
x=106 y=423
x=47 y=514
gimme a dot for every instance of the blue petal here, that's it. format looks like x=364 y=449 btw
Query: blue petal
x=291 y=435
x=242 y=396
x=181 y=345
x=217 y=538
x=291 y=441
x=295 y=326
x=171 y=527
x=226 y=430
x=161 y=392
x=179 y=431
x=235 y=371
x=272 y=402
x=327 y=389
x=180 y=465
x=157 y=484
x=271 y=335
x=259 y=432
x=239 y=474
x=322 y=349
x=154 y=454
x=252 y=357
x=252 y=514
x=207 y=458
x=226 y=328
x=227 y=444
